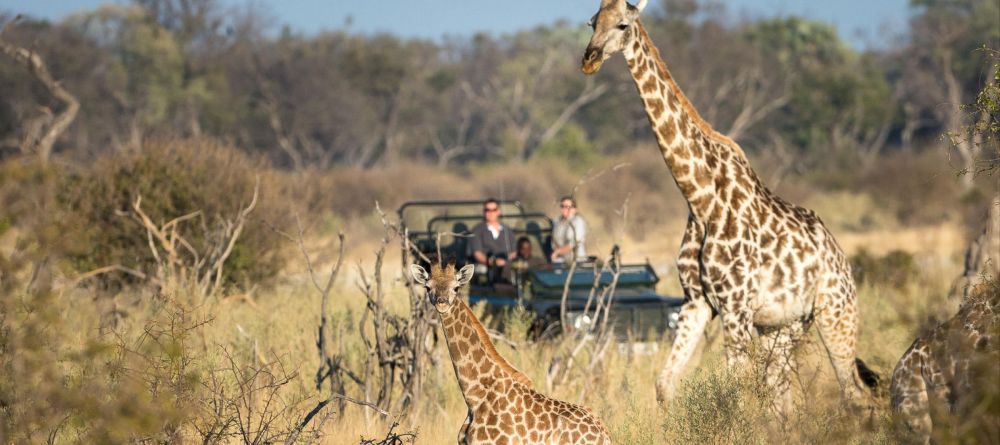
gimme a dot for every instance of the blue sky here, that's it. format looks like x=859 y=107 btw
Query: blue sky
x=437 y=18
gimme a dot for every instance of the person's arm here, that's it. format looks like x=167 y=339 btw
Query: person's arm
x=561 y=250
x=580 y=229
x=479 y=256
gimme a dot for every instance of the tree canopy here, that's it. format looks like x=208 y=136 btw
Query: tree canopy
x=193 y=68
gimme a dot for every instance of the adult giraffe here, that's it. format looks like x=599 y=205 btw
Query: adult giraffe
x=752 y=258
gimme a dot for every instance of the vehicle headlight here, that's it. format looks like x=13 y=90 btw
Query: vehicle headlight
x=673 y=319
x=581 y=322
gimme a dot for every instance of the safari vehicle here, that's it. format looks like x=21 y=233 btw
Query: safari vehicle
x=441 y=230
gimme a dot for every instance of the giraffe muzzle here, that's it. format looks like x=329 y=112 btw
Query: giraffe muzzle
x=593 y=58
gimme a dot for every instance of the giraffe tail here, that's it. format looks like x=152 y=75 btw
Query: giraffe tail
x=870 y=378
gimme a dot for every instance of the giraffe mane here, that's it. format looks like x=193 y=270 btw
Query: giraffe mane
x=696 y=118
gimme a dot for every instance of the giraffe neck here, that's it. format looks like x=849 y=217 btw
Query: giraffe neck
x=695 y=153
x=478 y=366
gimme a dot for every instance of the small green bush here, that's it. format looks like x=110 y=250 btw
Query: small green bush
x=174 y=178
x=895 y=269
x=720 y=407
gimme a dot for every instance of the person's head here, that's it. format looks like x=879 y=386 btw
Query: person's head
x=567 y=206
x=614 y=31
x=524 y=247
x=491 y=210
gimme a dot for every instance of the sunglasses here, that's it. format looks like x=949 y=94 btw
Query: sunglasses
x=494 y=209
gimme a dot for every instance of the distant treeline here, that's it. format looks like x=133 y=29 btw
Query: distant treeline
x=193 y=68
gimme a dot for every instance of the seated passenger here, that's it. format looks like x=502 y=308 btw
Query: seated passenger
x=492 y=242
x=524 y=254
x=522 y=261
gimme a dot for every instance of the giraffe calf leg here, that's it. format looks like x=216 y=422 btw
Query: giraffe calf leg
x=910 y=397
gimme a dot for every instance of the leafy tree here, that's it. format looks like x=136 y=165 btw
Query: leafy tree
x=941 y=65
x=839 y=98
x=571 y=147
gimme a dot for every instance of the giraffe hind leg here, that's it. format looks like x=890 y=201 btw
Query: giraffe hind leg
x=836 y=320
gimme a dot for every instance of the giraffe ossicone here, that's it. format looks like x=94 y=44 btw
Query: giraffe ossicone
x=757 y=261
x=504 y=407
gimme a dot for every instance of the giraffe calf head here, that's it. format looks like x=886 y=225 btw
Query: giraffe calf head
x=613 y=32
x=442 y=284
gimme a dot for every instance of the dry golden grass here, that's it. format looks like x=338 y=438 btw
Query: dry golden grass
x=278 y=326
x=714 y=407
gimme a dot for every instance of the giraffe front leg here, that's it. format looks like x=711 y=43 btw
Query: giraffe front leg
x=737 y=328
x=777 y=352
x=694 y=316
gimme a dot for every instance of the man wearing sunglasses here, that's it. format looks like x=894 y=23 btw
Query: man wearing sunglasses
x=492 y=241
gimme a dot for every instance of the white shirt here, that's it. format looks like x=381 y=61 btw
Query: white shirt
x=572 y=231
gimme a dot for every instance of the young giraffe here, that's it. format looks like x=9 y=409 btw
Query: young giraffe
x=503 y=406
x=940 y=368
x=747 y=255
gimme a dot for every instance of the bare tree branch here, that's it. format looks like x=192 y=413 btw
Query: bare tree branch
x=106 y=269
x=46 y=139
x=271 y=107
x=754 y=109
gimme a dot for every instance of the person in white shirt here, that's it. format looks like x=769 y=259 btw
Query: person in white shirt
x=569 y=234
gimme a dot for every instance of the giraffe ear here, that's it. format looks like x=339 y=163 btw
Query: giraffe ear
x=465 y=274
x=419 y=274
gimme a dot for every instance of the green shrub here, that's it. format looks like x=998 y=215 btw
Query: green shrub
x=174 y=178
x=895 y=269
x=719 y=407
x=919 y=189
x=60 y=380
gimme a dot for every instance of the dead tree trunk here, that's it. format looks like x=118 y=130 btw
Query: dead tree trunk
x=418 y=330
x=955 y=120
x=982 y=258
x=49 y=128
